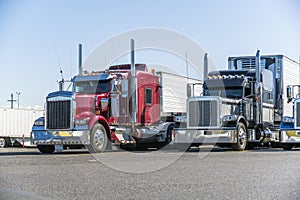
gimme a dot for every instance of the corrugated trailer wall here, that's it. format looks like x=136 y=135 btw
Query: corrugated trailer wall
x=16 y=122
x=174 y=92
x=290 y=73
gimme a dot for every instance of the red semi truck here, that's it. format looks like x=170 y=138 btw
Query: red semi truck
x=125 y=105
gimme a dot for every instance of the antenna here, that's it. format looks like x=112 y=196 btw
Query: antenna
x=80 y=59
x=59 y=65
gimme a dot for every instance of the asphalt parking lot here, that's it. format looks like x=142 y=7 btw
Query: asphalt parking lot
x=198 y=174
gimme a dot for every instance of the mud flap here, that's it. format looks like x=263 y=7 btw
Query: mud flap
x=125 y=139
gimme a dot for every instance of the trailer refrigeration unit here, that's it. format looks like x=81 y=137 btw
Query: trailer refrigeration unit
x=125 y=105
x=290 y=124
x=243 y=106
x=16 y=124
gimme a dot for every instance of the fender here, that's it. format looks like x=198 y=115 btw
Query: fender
x=98 y=118
x=242 y=120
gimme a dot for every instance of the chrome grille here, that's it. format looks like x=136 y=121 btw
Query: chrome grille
x=58 y=115
x=297 y=114
x=203 y=113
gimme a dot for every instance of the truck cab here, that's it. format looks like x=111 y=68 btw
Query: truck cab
x=70 y=114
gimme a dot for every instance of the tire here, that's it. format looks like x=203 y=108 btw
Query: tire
x=98 y=139
x=168 y=139
x=3 y=143
x=46 y=148
x=169 y=134
x=241 y=138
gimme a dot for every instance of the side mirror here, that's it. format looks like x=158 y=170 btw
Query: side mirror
x=289 y=92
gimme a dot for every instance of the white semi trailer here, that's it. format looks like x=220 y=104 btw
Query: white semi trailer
x=16 y=124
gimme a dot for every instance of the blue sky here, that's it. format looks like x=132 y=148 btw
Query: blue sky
x=31 y=30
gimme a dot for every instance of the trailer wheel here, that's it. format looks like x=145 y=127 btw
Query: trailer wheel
x=241 y=138
x=3 y=143
x=46 y=148
x=98 y=139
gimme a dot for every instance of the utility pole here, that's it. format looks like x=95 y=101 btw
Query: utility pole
x=12 y=100
x=18 y=93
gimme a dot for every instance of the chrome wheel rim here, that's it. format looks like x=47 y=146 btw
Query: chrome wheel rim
x=99 y=139
x=242 y=136
x=2 y=142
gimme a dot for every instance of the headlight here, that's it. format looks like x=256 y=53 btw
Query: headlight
x=180 y=119
x=39 y=123
x=229 y=118
x=287 y=119
x=81 y=121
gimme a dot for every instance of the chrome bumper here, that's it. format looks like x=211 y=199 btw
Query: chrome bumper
x=204 y=136
x=45 y=137
x=290 y=136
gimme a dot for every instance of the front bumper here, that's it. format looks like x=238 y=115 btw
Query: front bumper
x=195 y=136
x=290 y=136
x=55 y=137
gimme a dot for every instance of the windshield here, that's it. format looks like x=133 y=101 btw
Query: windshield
x=232 y=93
x=92 y=87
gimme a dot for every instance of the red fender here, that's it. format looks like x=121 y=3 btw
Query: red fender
x=96 y=119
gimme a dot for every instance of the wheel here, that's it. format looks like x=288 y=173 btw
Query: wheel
x=46 y=148
x=241 y=138
x=168 y=140
x=169 y=134
x=287 y=147
x=98 y=139
x=3 y=143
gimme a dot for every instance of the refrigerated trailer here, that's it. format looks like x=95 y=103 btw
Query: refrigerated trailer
x=16 y=124
x=174 y=92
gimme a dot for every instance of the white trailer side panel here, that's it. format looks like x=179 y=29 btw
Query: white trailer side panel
x=15 y=123
x=290 y=76
x=174 y=92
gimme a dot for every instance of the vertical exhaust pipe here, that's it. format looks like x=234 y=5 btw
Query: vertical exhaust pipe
x=258 y=90
x=61 y=85
x=133 y=85
x=257 y=64
x=80 y=59
x=205 y=71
